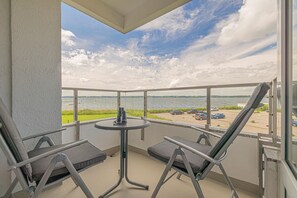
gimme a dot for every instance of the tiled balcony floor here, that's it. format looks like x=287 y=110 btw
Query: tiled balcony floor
x=141 y=169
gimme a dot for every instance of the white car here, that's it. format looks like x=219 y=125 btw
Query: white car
x=214 y=108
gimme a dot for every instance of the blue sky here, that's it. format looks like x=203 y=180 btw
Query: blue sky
x=100 y=34
x=202 y=42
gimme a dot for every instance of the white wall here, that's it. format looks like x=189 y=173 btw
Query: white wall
x=30 y=67
x=102 y=139
x=36 y=65
x=5 y=78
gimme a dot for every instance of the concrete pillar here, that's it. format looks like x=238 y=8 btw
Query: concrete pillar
x=5 y=79
x=30 y=68
x=36 y=65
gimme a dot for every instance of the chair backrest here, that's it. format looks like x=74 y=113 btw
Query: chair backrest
x=13 y=139
x=235 y=128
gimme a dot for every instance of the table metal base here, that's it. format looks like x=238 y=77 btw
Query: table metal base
x=124 y=166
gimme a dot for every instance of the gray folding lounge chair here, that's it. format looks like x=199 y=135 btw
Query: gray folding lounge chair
x=195 y=159
x=44 y=167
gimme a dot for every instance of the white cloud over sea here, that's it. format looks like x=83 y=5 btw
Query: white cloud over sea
x=239 y=49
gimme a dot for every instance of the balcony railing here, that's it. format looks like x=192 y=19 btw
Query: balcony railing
x=122 y=94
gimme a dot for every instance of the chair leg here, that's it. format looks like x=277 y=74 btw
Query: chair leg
x=233 y=191
x=75 y=182
x=46 y=175
x=11 y=188
x=163 y=177
x=74 y=174
x=179 y=175
x=192 y=176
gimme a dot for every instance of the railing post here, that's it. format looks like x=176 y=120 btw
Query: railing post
x=274 y=126
x=270 y=119
x=144 y=111
x=75 y=106
x=273 y=109
x=208 y=108
x=118 y=99
x=77 y=130
x=75 y=114
x=145 y=104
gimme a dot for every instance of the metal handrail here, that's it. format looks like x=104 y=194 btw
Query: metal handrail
x=165 y=89
x=90 y=89
x=43 y=134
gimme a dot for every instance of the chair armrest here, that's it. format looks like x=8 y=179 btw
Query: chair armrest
x=207 y=132
x=43 y=155
x=43 y=134
x=182 y=145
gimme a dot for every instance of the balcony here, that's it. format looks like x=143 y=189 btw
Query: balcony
x=27 y=71
x=245 y=173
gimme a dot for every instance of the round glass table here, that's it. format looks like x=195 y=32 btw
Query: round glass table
x=132 y=124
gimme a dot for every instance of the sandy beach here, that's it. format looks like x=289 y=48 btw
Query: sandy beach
x=258 y=123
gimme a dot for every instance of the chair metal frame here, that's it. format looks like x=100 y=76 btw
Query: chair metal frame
x=217 y=160
x=59 y=157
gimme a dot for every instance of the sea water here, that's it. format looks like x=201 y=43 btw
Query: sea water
x=154 y=102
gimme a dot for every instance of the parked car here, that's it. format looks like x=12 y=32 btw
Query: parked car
x=176 y=112
x=201 y=116
x=214 y=108
x=218 y=116
x=294 y=123
x=194 y=111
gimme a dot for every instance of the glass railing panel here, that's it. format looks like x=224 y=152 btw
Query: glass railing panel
x=93 y=105
x=228 y=102
x=133 y=102
x=182 y=106
x=67 y=106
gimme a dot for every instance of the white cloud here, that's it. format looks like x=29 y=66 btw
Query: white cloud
x=255 y=20
x=232 y=52
x=68 y=38
x=122 y=68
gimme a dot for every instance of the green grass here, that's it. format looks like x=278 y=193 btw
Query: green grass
x=265 y=107
x=69 y=118
x=168 y=110
x=230 y=108
x=90 y=114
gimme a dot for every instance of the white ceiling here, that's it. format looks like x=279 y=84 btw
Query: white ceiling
x=124 y=7
x=125 y=15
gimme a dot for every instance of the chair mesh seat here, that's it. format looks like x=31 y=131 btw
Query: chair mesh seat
x=164 y=150
x=82 y=156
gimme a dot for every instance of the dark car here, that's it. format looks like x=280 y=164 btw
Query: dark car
x=176 y=112
x=218 y=116
x=201 y=116
x=294 y=123
x=194 y=111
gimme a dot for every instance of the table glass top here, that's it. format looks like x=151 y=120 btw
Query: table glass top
x=131 y=124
